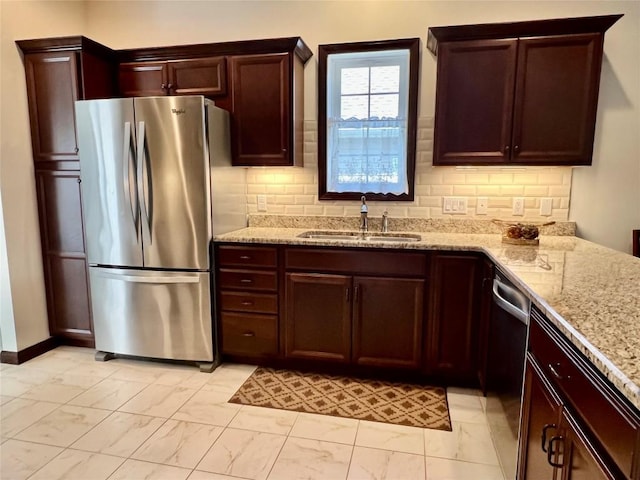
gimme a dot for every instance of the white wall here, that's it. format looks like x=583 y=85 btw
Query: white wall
x=604 y=197
x=605 y=200
x=25 y=294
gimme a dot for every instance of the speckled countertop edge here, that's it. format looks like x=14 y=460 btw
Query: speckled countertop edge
x=491 y=245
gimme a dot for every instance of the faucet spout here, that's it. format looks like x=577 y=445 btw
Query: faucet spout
x=385 y=222
x=364 y=222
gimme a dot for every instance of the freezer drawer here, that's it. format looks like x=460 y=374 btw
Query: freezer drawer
x=152 y=314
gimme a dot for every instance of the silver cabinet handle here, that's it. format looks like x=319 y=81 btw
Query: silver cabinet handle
x=248 y=334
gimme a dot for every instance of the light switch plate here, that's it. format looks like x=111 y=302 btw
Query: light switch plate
x=454 y=205
x=482 y=205
x=546 y=207
x=518 y=206
x=262 y=203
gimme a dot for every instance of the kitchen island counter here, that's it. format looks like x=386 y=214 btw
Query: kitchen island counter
x=590 y=292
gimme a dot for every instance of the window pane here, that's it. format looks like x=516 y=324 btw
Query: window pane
x=385 y=79
x=384 y=106
x=354 y=107
x=354 y=80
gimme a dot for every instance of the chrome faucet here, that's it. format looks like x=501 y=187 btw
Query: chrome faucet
x=385 y=222
x=364 y=223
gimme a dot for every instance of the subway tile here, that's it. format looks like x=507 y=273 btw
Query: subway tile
x=464 y=190
x=294 y=209
x=536 y=191
x=443 y=190
x=294 y=189
x=500 y=178
x=525 y=178
x=555 y=178
x=477 y=178
x=488 y=191
x=454 y=179
x=512 y=190
x=559 y=190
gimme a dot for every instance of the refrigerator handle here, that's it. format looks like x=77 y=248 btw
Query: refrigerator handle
x=127 y=157
x=184 y=278
x=141 y=171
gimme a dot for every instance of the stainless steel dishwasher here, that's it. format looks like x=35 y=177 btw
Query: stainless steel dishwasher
x=505 y=369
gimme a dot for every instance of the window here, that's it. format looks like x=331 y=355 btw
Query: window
x=367 y=108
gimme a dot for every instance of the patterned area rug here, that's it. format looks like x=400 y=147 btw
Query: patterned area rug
x=378 y=401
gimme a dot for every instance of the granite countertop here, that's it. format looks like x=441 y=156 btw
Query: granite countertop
x=591 y=293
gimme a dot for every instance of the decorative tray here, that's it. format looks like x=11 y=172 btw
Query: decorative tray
x=514 y=233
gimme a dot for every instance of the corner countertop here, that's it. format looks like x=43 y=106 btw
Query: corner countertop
x=591 y=293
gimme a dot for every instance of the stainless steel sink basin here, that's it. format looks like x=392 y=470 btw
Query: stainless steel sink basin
x=357 y=236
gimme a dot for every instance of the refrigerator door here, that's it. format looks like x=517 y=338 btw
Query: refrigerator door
x=152 y=313
x=106 y=142
x=173 y=182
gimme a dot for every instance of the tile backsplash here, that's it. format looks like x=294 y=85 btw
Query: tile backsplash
x=294 y=191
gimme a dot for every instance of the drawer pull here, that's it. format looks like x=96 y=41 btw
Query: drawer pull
x=555 y=373
x=551 y=452
x=245 y=257
x=246 y=303
x=248 y=334
x=246 y=280
x=544 y=435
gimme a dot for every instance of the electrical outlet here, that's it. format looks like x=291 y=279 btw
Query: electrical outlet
x=518 y=206
x=482 y=205
x=262 y=203
x=546 y=206
x=454 y=205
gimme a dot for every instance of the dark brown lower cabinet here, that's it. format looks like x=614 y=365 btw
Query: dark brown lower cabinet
x=64 y=258
x=387 y=322
x=370 y=321
x=554 y=444
x=541 y=417
x=453 y=323
x=575 y=425
x=318 y=317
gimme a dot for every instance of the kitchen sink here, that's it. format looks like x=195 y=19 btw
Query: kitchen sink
x=355 y=236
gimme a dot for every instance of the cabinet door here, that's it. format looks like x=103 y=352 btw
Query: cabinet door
x=474 y=102
x=52 y=89
x=387 y=322
x=581 y=459
x=540 y=423
x=201 y=76
x=556 y=99
x=318 y=317
x=64 y=256
x=452 y=336
x=484 y=317
x=261 y=109
x=143 y=79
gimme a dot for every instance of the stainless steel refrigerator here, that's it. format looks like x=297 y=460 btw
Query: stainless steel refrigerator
x=156 y=185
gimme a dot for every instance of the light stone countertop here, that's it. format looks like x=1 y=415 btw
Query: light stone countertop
x=591 y=293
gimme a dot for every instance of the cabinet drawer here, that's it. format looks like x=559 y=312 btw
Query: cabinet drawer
x=249 y=334
x=599 y=405
x=248 y=279
x=356 y=262
x=249 y=302
x=247 y=256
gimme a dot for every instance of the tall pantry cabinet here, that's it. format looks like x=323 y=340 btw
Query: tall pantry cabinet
x=58 y=72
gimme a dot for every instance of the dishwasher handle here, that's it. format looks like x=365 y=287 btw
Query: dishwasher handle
x=519 y=311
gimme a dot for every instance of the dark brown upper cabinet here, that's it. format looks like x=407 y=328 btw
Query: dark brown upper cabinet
x=198 y=76
x=260 y=83
x=521 y=93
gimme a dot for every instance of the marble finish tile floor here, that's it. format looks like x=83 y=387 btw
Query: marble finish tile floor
x=65 y=416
